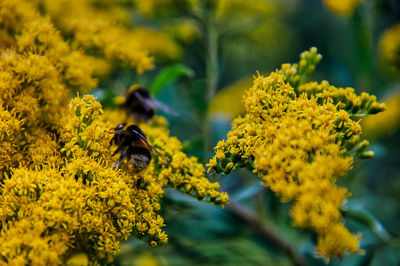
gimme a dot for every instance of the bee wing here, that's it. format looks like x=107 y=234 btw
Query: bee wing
x=142 y=138
x=165 y=108
x=147 y=103
x=159 y=154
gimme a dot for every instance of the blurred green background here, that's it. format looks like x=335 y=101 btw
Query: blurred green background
x=221 y=45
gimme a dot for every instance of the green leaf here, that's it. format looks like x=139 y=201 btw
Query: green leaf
x=195 y=142
x=247 y=192
x=169 y=75
x=385 y=256
x=369 y=220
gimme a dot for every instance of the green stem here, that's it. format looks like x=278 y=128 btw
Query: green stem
x=267 y=233
x=363 y=26
x=368 y=219
x=212 y=58
x=211 y=72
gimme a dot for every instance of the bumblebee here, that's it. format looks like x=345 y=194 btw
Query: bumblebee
x=133 y=144
x=141 y=106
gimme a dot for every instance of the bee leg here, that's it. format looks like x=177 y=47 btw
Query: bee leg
x=139 y=182
x=119 y=149
x=120 y=159
x=116 y=151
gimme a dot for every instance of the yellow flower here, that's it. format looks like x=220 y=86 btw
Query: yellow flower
x=185 y=30
x=38 y=36
x=60 y=194
x=329 y=244
x=342 y=7
x=228 y=100
x=101 y=30
x=149 y=8
x=157 y=43
x=74 y=198
x=301 y=137
x=32 y=95
x=147 y=259
x=384 y=123
x=106 y=30
x=389 y=46
x=80 y=259
x=10 y=152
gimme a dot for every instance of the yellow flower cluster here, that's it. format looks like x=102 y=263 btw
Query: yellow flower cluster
x=301 y=137
x=185 y=174
x=59 y=193
x=342 y=7
x=389 y=46
x=96 y=30
x=86 y=145
x=158 y=43
x=34 y=37
x=78 y=202
x=343 y=98
x=101 y=29
x=36 y=74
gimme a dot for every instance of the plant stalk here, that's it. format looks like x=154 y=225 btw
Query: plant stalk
x=212 y=59
x=268 y=233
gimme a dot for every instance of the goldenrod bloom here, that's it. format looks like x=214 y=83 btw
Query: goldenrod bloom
x=76 y=199
x=301 y=137
x=60 y=194
x=97 y=30
x=37 y=36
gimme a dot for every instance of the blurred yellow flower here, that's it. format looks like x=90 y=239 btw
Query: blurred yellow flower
x=80 y=259
x=389 y=47
x=384 y=123
x=342 y=7
x=226 y=8
x=228 y=99
x=149 y=7
x=146 y=259
x=256 y=24
x=98 y=32
x=185 y=30
x=158 y=43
